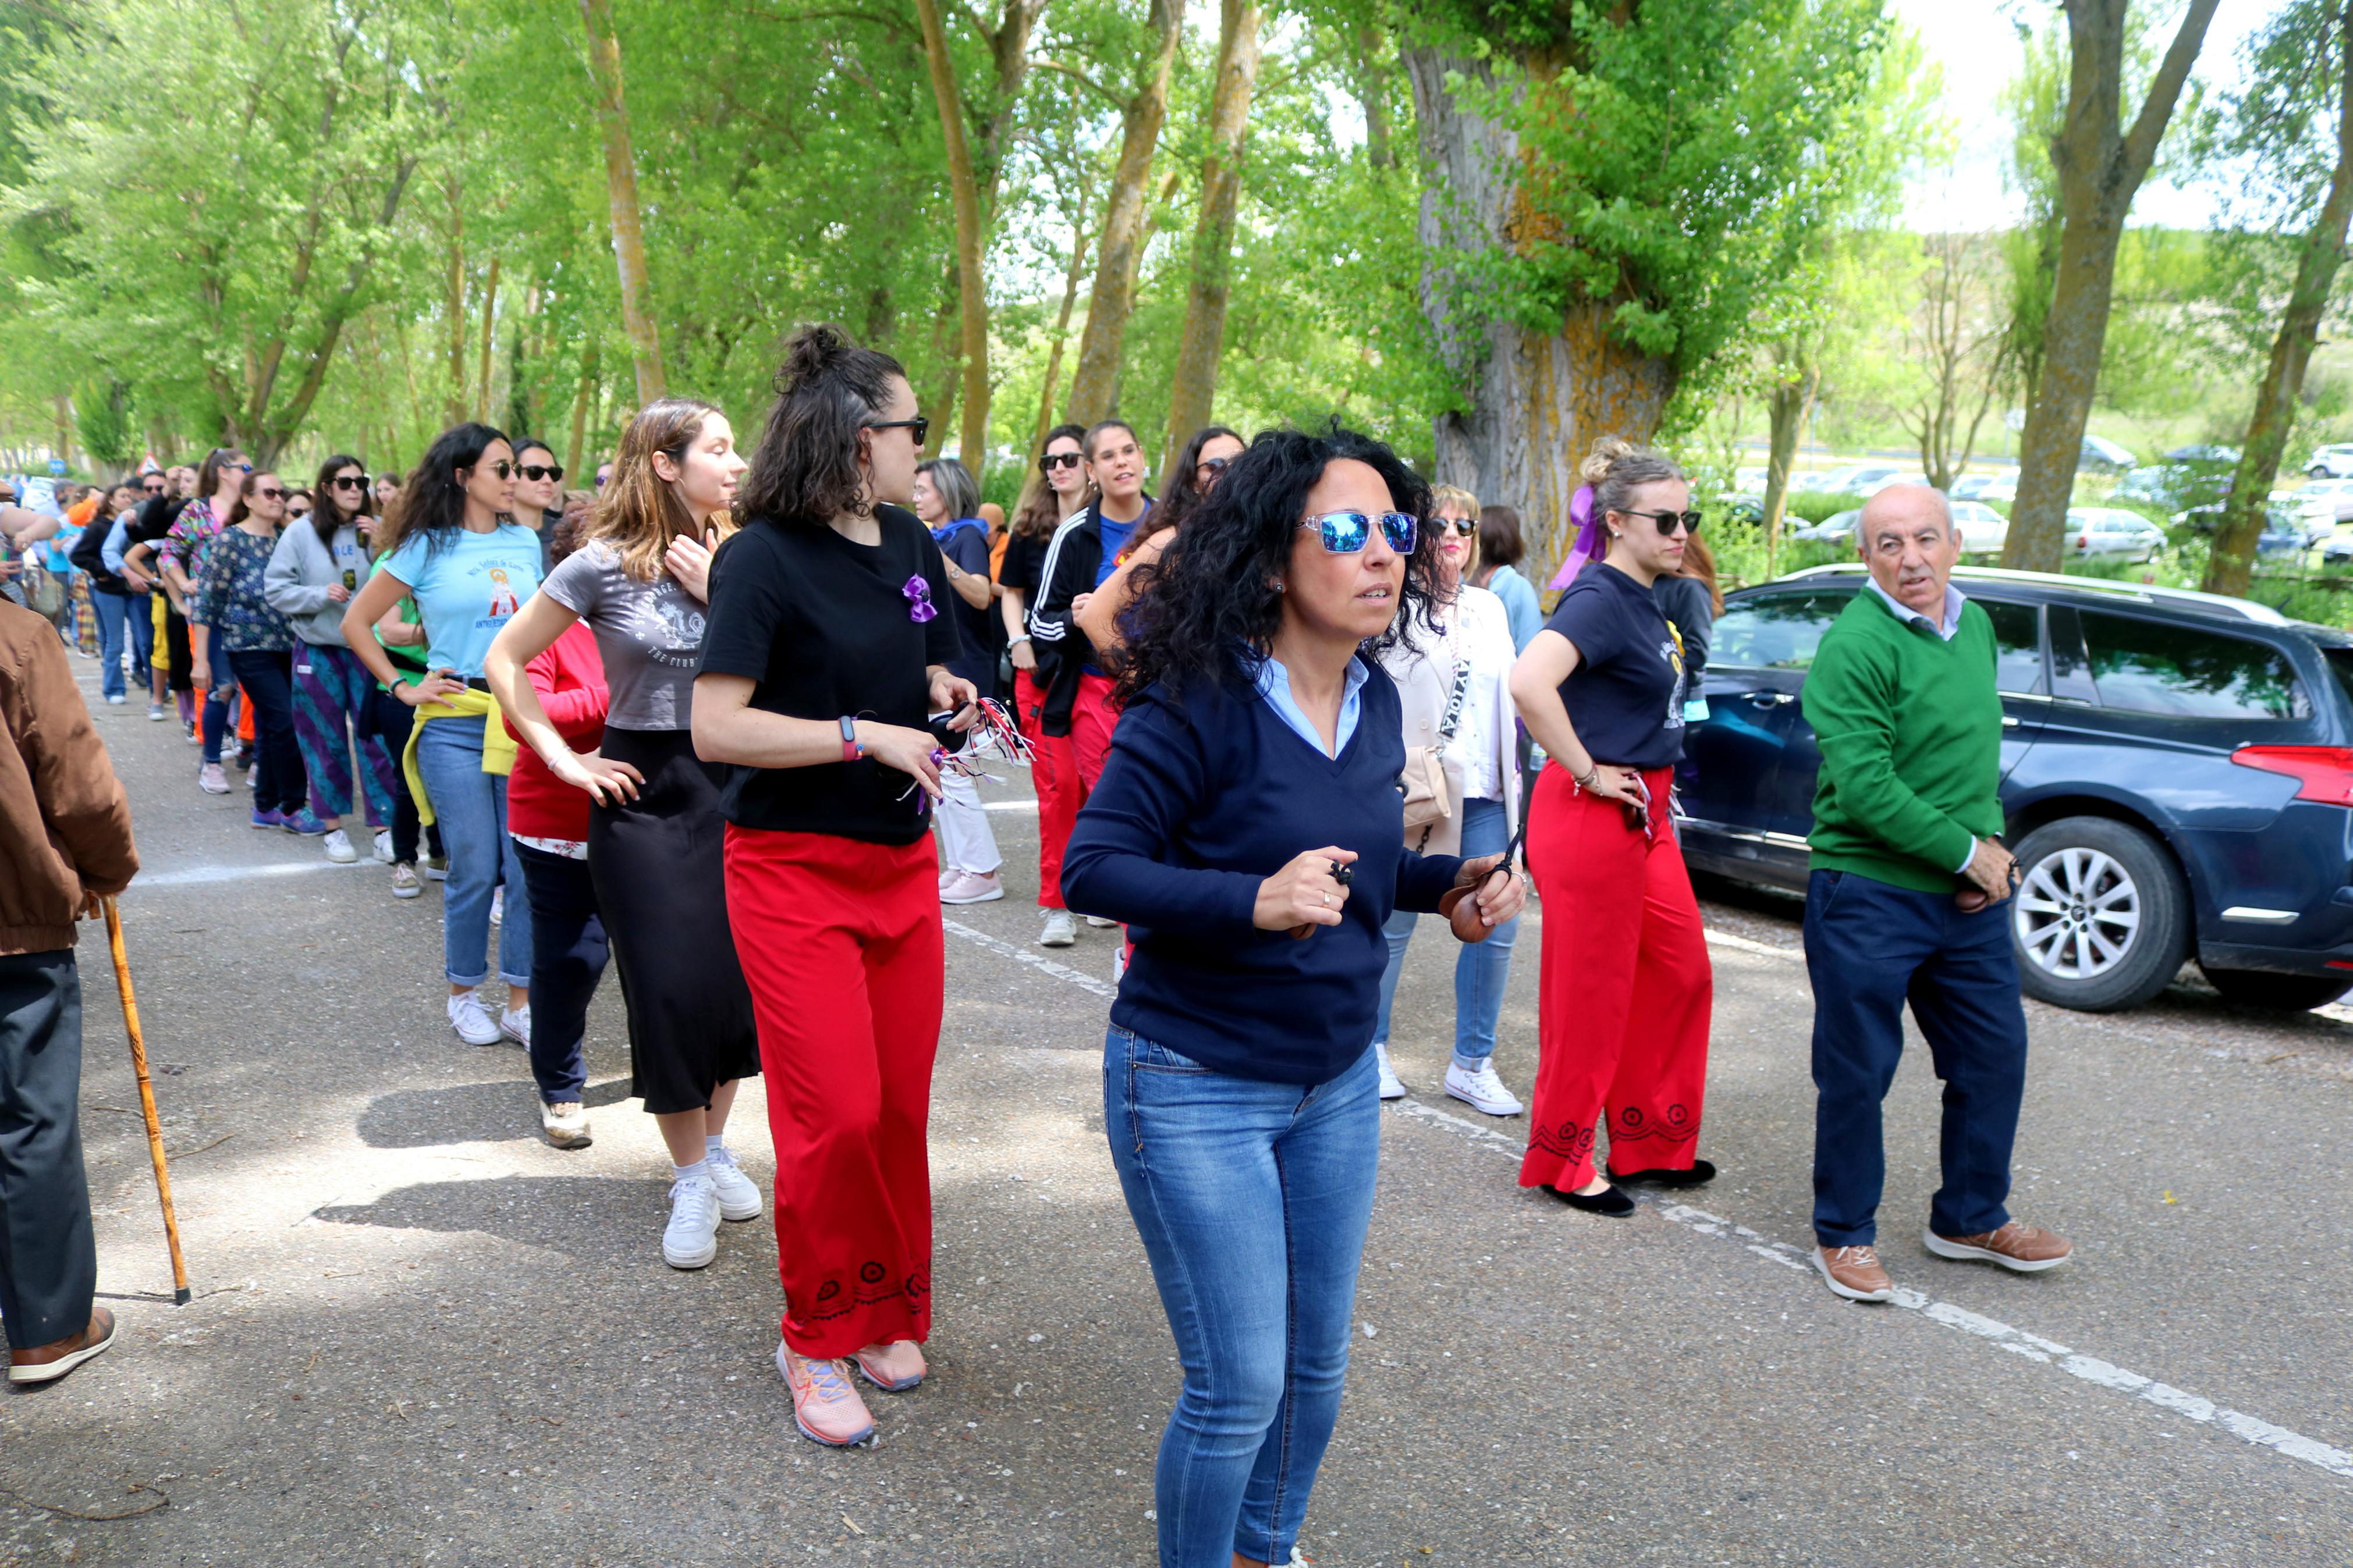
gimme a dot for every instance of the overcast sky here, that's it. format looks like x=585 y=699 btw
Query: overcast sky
x=1975 y=42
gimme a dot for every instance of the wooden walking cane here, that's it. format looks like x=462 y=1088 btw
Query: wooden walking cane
x=147 y=1101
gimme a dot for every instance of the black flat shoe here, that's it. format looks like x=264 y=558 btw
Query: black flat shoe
x=1700 y=1175
x=1608 y=1201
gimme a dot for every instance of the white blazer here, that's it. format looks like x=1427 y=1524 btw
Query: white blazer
x=1425 y=678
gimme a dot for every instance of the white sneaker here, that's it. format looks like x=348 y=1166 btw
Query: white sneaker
x=118 y=701
x=1060 y=929
x=212 y=780
x=1118 y=965
x=1392 y=1085
x=383 y=845
x=498 y=905
x=437 y=868
x=154 y=712
x=1482 y=1090
x=739 y=1196
x=1099 y=923
x=973 y=887
x=472 y=1024
x=404 y=884
x=515 y=1025
x=566 y=1125
x=692 y=1239
x=338 y=846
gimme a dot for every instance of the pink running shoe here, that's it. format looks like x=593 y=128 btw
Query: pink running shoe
x=825 y=1407
x=893 y=1368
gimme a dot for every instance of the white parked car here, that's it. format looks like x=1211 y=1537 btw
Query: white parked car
x=2111 y=531
x=2331 y=462
x=1983 y=530
x=2330 y=500
x=1836 y=528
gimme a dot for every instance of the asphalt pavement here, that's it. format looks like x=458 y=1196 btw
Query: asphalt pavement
x=421 y=1335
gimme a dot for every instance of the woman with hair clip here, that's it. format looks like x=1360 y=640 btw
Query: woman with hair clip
x=180 y=555
x=1205 y=458
x=317 y=566
x=1625 y=988
x=640 y=580
x=1454 y=685
x=231 y=621
x=1249 y=831
x=450 y=544
x=947 y=501
x=825 y=654
x=1058 y=491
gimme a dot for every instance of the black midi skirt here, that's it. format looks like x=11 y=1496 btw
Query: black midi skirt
x=657 y=863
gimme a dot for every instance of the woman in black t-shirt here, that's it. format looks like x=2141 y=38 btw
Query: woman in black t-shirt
x=826 y=650
x=1625 y=988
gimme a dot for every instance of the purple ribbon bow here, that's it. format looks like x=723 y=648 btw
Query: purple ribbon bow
x=918 y=595
x=1592 y=539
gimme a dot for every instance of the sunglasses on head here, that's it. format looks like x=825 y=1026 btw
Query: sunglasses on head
x=1347 y=532
x=536 y=472
x=349 y=482
x=1669 y=520
x=1053 y=460
x=921 y=424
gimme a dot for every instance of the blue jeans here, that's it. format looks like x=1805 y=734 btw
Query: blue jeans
x=1870 y=947
x=1252 y=1200
x=1481 y=968
x=472 y=807
x=215 y=715
x=117 y=613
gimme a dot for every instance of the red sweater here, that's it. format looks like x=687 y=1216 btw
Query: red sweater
x=570 y=680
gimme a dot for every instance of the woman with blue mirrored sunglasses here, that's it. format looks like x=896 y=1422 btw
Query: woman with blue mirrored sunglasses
x=1347 y=532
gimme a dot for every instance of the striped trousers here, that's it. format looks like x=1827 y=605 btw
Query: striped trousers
x=331 y=704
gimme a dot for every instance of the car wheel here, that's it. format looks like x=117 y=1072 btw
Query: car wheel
x=2319 y=471
x=2279 y=993
x=2101 y=917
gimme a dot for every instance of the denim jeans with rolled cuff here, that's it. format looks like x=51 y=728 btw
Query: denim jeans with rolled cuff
x=472 y=807
x=1481 y=969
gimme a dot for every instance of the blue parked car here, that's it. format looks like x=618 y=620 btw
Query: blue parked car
x=2176 y=771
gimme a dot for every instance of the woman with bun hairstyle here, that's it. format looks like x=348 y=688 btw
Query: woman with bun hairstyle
x=1059 y=492
x=640 y=579
x=1625 y=988
x=1249 y=831
x=826 y=651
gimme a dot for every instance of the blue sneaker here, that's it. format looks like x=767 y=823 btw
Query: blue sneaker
x=267 y=818
x=303 y=823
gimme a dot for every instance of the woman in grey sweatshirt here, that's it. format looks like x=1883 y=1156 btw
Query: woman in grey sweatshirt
x=319 y=564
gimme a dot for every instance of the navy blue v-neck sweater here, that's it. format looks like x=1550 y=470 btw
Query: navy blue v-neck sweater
x=1204 y=797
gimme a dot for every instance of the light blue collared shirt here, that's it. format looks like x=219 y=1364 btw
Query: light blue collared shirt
x=1951 y=623
x=1274 y=685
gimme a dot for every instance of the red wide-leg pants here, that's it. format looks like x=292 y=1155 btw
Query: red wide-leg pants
x=1624 y=991
x=840 y=945
x=1054 y=769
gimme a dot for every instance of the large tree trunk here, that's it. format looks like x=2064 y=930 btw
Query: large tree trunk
x=2100 y=165
x=1373 y=98
x=490 y=319
x=453 y=296
x=576 y=457
x=1070 y=280
x=621 y=191
x=1194 y=392
x=946 y=355
x=2232 y=564
x=1095 y=390
x=1788 y=406
x=1537 y=401
x=971 y=240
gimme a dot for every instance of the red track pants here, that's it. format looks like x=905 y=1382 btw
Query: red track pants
x=842 y=949
x=1624 y=990
x=1064 y=767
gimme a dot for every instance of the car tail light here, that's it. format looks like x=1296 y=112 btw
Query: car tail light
x=2083 y=542
x=2324 y=774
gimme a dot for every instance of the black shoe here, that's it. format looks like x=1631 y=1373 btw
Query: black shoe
x=1700 y=1175
x=1608 y=1201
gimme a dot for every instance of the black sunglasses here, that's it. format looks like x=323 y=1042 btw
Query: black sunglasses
x=921 y=424
x=504 y=470
x=1462 y=526
x=153 y=490
x=1669 y=520
x=268 y=494
x=1215 y=466
x=1053 y=460
x=348 y=482
x=538 y=471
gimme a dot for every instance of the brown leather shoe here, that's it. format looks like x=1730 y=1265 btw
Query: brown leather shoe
x=46 y=1363
x=1855 y=1273
x=2020 y=1248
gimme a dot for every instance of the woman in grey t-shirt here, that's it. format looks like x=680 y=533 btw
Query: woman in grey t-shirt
x=655 y=835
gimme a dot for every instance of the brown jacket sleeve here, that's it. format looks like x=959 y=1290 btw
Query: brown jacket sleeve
x=65 y=823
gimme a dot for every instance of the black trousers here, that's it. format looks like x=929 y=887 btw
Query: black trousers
x=568 y=949
x=392 y=718
x=48 y=1263
x=282 y=782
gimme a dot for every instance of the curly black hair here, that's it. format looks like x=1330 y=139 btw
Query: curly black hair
x=1209 y=605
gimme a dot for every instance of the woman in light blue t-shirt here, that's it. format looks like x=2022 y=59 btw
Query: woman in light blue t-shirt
x=451 y=548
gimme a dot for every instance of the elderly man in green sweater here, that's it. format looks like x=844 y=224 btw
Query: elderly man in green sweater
x=1907 y=901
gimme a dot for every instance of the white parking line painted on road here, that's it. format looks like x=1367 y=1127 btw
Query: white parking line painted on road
x=1742 y=944
x=1030 y=806
x=2017 y=1342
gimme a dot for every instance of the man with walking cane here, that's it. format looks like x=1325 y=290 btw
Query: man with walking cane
x=1906 y=902
x=65 y=843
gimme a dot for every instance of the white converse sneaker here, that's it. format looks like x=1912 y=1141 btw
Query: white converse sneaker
x=515 y=1025
x=338 y=846
x=383 y=845
x=739 y=1195
x=1392 y=1085
x=1482 y=1090
x=472 y=1024
x=565 y=1124
x=1060 y=929
x=692 y=1239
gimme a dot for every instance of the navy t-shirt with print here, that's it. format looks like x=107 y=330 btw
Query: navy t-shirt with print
x=1625 y=696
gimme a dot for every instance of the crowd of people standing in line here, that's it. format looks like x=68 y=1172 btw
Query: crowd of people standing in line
x=701 y=731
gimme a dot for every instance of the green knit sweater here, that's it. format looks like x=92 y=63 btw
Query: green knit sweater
x=1910 y=727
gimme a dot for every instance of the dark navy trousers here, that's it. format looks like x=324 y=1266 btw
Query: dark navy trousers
x=48 y=1265
x=1871 y=947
